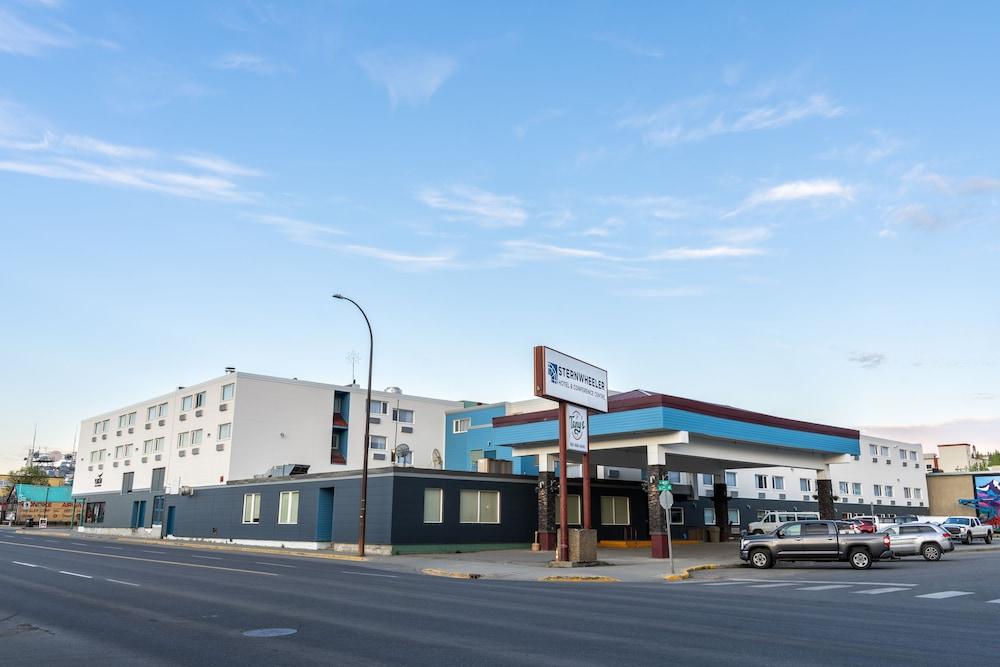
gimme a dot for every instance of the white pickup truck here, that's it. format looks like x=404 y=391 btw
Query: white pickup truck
x=968 y=528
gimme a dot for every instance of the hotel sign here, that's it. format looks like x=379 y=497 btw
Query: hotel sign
x=560 y=377
x=577 y=435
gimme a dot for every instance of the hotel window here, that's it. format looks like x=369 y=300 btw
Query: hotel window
x=402 y=416
x=151 y=413
x=877 y=488
x=182 y=439
x=288 y=507
x=225 y=431
x=916 y=493
x=843 y=488
x=805 y=484
x=119 y=451
x=147 y=446
x=778 y=483
x=228 y=390
x=674 y=477
x=196 y=437
x=97 y=426
x=376 y=442
x=129 y=449
x=187 y=403
x=761 y=481
x=615 y=511
x=131 y=419
x=121 y=420
x=378 y=408
x=856 y=488
x=479 y=506
x=461 y=425
x=162 y=409
x=888 y=491
x=156 y=483
x=433 y=505
x=902 y=454
x=127 y=480
x=731 y=479
x=906 y=492
x=708 y=479
x=709 y=516
x=873 y=450
x=199 y=399
x=93 y=513
x=885 y=452
x=677 y=515
x=251 y=508
x=913 y=455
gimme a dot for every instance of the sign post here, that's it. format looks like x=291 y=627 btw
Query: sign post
x=578 y=387
x=666 y=502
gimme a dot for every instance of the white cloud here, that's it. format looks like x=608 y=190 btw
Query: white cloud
x=915 y=215
x=531 y=250
x=980 y=184
x=712 y=252
x=299 y=231
x=605 y=228
x=402 y=260
x=880 y=147
x=91 y=145
x=218 y=165
x=471 y=204
x=660 y=207
x=742 y=235
x=868 y=360
x=408 y=79
x=797 y=191
x=23 y=39
x=664 y=292
x=247 y=62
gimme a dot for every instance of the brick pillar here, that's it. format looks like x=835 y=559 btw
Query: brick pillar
x=824 y=491
x=548 y=501
x=720 y=498
x=658 y=525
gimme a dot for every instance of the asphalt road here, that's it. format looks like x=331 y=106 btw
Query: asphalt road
x=98 y=602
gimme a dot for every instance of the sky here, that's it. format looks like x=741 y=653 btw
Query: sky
x=792 y=208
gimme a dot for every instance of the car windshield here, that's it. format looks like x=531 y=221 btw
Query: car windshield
x=958 y=519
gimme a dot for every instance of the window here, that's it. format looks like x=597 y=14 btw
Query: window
x=479 y=506
x=615 y=511
x=573 y=516
x=461 y=425
x=873 y=450
x=122 y=420
x=251 y=508
x=93 y=513
x=402 y=416
x=156 y=483
x=151 y=413
x=433 y=505
x=731 y=479
x=916 y=493
x=97 y=427
x=162 y=409
x=158 y=511
x=101 y=426
x=902 y=455
x=288 y=507
x=815 y=529
x=792 y=530
x=376 y=442
x=127 y=479
x=856 y=488
x=147 y=446
x=196 y=437
x=707 y=479
x=885 y=452
x=907 y=493
x=182 y=439
x=878 y=489
x=709 y=516
x=805 y=484
x=199 y=399
x=187 y=403
x=228 y=390
x=761 y=481
x=734 y=517
x=379 y=408
x=913 y=455
x=677 y=515
x=778 y=483
x=674 y=477
x=225 y=431
x=888 y=491
x=97 y=456
x=119 y=451
x=131 y=419
x=843 y=488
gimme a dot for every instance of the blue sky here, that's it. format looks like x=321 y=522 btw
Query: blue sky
x=790 y=209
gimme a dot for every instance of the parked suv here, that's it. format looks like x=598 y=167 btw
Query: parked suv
x=924 y=539
x=772 y=520
x=968 y=528
x=813 y=540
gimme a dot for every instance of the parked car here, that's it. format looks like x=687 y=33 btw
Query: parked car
x=850 y=526
x=866 y=525
x=813 y=540
x=968 y=528
x=924 y=539
x=900 y=519
x=876 y=523
x=771 y=520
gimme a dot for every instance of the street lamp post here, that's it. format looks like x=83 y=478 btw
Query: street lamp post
x=363 y=509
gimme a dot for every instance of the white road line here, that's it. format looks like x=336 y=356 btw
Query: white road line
x=369 y=574
x=810 y=581
x=993 y=601
x=110 y=547
x=80 y=544
x=260 y=562
x=17 y=562
x=76 y=574
x=207 y=557
x=150 y=551
x=727 y=583
x=770 y=585
x=828 y=587
x=879 y=591
x=944 y=595
x=124 y=583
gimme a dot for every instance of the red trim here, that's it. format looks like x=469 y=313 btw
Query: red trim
x=636 y=400
x=338 y=420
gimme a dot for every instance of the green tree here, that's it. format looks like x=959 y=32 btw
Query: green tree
x=29 y=475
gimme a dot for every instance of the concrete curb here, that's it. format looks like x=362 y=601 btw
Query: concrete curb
x=435 y=572
x=686 y=574
x=583 y=579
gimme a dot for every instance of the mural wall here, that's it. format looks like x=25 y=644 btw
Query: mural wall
x=988 y=498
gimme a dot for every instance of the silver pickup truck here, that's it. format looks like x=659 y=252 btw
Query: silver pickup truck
x=814 y=540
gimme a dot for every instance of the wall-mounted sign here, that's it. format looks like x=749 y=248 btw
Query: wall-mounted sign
x=560 y=377
x=577 y=429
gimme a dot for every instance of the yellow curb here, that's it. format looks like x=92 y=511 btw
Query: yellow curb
x=434 y=572
x=686 y=574
x=598 y=579
x=224 y=547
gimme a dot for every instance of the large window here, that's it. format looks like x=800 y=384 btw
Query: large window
x=402 y=416
x=856 y=488
x=433 y=505
x=199 y=399
x=731 y=479
x=461 y=425
x=734 y=517
x=677 y=515
x=761 y=481
x=778 y=483
x=805 y=484
x=182 y=439
x=376 y=442
x=615 y=511
x=228 y=390
x=131 y=419
x=917 y=493
x=573 y=507
x=479 y=506
x=907 y=493
x=156 y=483
x=196 y=437
x=884 y=451
x=122 y=420
x=251 y=508
x=888 y=491
x=161 y=410
x=119 y=451
x=187 y=403
x=877 y=488
x=288 y=507
x=378 y=408
x=843 y=488
x=152 y=446
x=225 y=431
x=93 y=513
x=873 y=450
x=913 y=455
x=151 y=413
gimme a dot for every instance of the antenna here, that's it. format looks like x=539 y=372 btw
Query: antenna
x=354 y=358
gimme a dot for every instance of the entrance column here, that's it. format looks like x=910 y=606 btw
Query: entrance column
x=548 y=487
x=824 y=494
x=720 y=499
x=658 y=525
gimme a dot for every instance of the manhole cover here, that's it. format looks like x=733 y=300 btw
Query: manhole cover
x=269 y=632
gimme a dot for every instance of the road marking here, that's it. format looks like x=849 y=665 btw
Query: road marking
x=17 y=562
x=76 y=574
x=944 y=595
x=150 y=551
x=142 y=560
x=260 y=562
x=828 y=587
x=993 y=601
x=369 y=574
x=124 y=583
x=770 y=585
x=879 y=591
x=726 y=583
x=810 y=581
x=110 y=547
x=207 y=557
x=80 y=544
x=53 y=541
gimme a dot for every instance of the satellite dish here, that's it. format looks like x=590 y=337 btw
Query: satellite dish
x=438 y=461
x=403 y=455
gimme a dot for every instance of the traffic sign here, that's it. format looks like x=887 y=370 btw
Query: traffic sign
x=666 y=499
x=664 y=485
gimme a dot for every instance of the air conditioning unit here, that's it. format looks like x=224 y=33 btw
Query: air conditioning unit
x=183 y=418
x=145 y=459
x=148 y=426
x=197 y=413
x=219 y=446
x=874 y=459
x=782 y=496
x=115 y=464
x=181 y=454
x=374 y=420
x=118 y=432
x=223 y=407
x=194 y=451
x=127 y=462
x=131 y=430
x=733 y=493
x=90 y=467
x=104 y=436
x=406 y=429
x=157 y=457
x=94 y=439
x=187 y=491
x=162 y=422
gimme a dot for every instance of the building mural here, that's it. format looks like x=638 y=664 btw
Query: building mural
x=987 y=500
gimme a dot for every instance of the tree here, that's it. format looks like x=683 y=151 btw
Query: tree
x=29 y=475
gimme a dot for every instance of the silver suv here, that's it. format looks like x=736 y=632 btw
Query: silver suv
x=923 y=539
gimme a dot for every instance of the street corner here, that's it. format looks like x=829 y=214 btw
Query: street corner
x=585 y=579
x=686 y=572
x=449 y=574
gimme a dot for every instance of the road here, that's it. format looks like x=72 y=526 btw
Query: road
x=116 y=603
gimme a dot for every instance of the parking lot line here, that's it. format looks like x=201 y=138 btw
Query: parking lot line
x=880 y=591
x=993 y=601
x=770 y=585
x=812 y=581
x=944 y=595
x=727 y=583
x=17 y=562
x=827 y=587
x=76 y=574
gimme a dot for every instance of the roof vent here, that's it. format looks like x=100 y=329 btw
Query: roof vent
x=393 y=390
x=230 y=369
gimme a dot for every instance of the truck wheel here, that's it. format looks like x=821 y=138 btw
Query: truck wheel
x=761 y=559
x=967 y=538
x=757 y=532
x=931 y=552
x=860 y=559
x=989 y=537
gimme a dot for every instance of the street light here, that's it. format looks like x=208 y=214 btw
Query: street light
x=363 y=509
